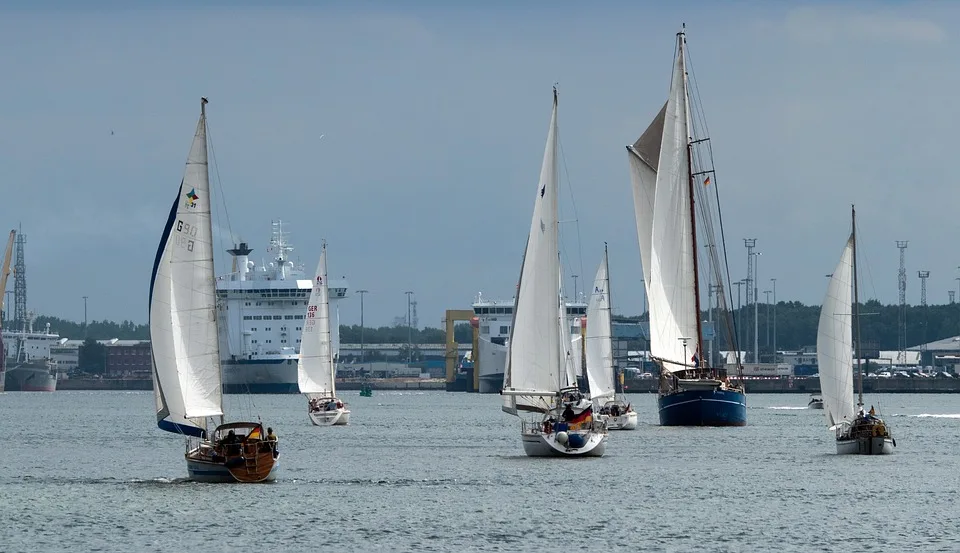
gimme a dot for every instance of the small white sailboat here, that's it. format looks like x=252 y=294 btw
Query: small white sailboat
x=618 y=413
x=540 y=375
x=187 y=379
x=316 y=370
x=857 y=433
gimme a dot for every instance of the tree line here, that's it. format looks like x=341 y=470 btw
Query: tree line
x=796 y=327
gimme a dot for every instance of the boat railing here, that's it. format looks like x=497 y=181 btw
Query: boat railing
x=595 y=425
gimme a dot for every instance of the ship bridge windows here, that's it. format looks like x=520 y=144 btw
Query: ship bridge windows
x=288 y=317
x=278 y=317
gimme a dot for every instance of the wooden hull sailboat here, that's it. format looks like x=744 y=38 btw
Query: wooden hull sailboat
x=540 y=377
x=316 y=369
x=184 y=341
x=667 y=188
x=856 y=432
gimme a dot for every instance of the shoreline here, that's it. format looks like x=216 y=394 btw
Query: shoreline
x=781 y=385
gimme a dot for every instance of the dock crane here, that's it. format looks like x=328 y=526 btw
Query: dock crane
x=4 y=273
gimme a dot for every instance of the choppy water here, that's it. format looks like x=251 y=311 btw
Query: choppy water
x=432 y=471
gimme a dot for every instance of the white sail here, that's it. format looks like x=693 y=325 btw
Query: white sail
x=644 y=156
x=672 y=286
x=835 y=342
x=533 y=354
x=599 y=340
x=183 y=323
x=315 y=368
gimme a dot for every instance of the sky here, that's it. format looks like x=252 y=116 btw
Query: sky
x=433 y=119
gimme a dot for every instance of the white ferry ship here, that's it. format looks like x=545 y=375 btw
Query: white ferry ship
x=495 y=318
x=261 y=310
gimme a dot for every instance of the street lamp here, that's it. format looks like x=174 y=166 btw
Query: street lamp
x=767 y=293
x=361 y=292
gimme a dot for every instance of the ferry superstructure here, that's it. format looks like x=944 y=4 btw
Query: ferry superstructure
x=494 y=318
x=261 y=309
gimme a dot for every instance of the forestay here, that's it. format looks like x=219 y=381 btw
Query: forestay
x=183 y=324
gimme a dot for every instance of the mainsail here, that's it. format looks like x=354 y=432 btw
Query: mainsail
x=183 y=324
x=835 y=342
x=534 y=360
x=599 y=340
x=671 y=286
x=315 y=369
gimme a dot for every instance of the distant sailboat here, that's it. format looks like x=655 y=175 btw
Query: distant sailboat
x=863 y=433
x=187 y=380
x=618 y=412
x=316 y=370
x=540 y=375
x=666 y=193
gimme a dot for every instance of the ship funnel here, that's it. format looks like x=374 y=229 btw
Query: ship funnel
x=240 y=265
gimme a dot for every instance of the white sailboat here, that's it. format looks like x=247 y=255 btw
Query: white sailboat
x=618 y=413
x=859 y=432
x=187 y=380
x=316 y=370
x=540 y=375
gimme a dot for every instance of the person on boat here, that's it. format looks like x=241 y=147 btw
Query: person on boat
x=231 y=443
x=872 y=412
x=272 y=441
x=331 y=405
x=568 y=413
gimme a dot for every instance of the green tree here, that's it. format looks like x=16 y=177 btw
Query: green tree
x=92 y=357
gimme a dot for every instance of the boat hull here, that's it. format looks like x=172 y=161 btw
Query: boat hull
x=627 y=421
x=260 y=376
x=873 y=445
x=539 y=444
x=335 y=417
x=703 y=408
x=218 y=473
x=29 y=379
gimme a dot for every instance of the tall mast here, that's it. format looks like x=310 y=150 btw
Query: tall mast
x=681 y=39
x=856 y=305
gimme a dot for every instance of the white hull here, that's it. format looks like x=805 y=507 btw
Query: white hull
x=538 y=444
x=202 y=471
x=493 y=358
x=627 y=421
x=875 y=445
x=335 y=417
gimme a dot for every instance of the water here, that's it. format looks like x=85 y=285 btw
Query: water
x=432 y=471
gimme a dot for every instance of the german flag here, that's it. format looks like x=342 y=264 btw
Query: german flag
x=254 y=434
x=585 y=416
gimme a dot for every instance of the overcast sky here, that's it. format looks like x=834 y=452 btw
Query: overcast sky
x=434 y=120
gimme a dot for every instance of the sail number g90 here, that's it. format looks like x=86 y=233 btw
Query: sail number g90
x=186 y=233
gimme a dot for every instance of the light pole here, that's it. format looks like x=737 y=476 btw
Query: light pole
x=84 y=316
x=361 y=292
x=739 y=319
x=409 y=330
x=756 y=321
x=767 y=298
x=774 y=281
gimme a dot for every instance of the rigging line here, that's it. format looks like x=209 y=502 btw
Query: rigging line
x=573 y=202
